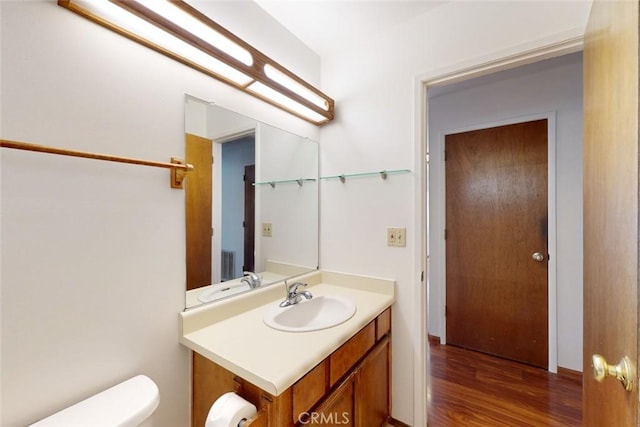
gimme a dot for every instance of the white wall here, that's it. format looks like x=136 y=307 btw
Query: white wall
x=374 y=86
x=93 y=270
x=554 y=85
x=291 y=209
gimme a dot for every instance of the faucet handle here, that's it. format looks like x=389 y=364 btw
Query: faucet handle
x=294 y=288
x=252 y=279
x=293 y=297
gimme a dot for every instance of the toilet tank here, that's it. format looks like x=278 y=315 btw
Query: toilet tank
x=128 y=404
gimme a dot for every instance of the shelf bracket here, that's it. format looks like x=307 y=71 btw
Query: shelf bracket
x=178 y=175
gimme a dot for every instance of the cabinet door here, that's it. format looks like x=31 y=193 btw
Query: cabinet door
x=336 y=410
x=310 y=389
x=372 y=387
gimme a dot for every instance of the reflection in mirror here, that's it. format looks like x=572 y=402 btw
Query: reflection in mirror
x=251 y=203
x=238 y=206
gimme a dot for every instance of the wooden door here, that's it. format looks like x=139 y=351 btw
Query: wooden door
x=610 y=207
x=496 y=219
x=249 y=222
x=198 y=199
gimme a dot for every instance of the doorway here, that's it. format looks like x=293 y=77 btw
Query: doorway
x=237 y=162
x=547 y=87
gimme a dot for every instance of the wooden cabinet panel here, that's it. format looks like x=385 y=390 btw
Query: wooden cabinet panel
x=310 y=389
x=350 y=352
x=336 y=409
x=261 y=419
x=278 y=407
x=372 y=386
x=210 y=381
x=383 y=324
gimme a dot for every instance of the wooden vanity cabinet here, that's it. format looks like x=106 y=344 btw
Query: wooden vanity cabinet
x=348 y=388
x=359 y=400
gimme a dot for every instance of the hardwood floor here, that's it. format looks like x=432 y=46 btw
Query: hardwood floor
x=474 y=389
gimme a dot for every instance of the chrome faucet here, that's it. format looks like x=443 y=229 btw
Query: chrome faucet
x=251 y=279
x=293 y=296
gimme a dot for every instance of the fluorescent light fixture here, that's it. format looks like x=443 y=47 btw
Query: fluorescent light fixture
x=197 y=28
x=286 y=81
x=131 y=24
x=270 y=94
x=181 y=32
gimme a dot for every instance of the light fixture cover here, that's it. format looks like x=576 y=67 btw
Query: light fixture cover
x=181 y=32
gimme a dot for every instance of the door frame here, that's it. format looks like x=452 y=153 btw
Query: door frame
x=557 y=45
x=552 y=297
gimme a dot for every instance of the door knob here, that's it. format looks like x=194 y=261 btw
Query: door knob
x=537 y=256
x=623 y=371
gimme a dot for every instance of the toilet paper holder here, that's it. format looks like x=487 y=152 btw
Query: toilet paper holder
x=230 y=410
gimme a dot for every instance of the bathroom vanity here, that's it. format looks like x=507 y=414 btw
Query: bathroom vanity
x=334 y=376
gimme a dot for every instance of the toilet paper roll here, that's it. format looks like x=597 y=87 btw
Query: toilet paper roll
x=228 y=410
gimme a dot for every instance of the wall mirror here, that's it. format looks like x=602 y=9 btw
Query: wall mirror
x=251 y=202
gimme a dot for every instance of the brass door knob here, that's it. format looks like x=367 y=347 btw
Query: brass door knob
x=537 y=256
x=623 y=371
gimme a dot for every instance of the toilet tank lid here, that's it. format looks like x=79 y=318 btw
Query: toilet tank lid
x=126 y=404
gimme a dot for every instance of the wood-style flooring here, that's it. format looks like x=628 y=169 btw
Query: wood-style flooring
x=474 y=389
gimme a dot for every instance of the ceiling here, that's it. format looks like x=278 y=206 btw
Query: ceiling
x=327 y=25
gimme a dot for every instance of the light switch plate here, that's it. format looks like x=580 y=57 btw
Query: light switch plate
x=266 y=229
x=396 y=236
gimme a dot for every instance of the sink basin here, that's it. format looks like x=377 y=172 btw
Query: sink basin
x=221 y=291
x=320 y=312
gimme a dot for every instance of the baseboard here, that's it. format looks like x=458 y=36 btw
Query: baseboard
x=570 y=374
x=433 y=339
x=395 y=423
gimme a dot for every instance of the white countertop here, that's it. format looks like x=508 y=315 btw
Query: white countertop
x=275 y=272
x=229 y=288
x=232 y=333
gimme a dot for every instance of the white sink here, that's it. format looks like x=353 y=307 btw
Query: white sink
x=222 y=290
x=317 y=313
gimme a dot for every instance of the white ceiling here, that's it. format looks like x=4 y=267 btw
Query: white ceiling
x=327 y=25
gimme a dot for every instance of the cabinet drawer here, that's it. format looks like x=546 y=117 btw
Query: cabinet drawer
x=350 y=352
x=309 y=389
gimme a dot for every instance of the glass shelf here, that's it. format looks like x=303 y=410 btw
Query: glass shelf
x=382 y=174
x=273 y=184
